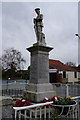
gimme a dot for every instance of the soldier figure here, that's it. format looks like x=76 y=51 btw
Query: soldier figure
x=38 y=25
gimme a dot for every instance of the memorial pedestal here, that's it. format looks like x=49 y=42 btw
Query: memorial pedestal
x=37 y=92
x=39 y=86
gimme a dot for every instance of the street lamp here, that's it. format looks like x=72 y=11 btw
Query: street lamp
x=77 y=35
x=78 y=51
x=78 y=39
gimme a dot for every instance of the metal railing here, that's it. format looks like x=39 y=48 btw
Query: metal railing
x=33 y=111
x=62 y=90
x=44 y=110
x=13 y=92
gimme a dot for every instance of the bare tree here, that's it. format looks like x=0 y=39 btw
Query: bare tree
x=12 y=59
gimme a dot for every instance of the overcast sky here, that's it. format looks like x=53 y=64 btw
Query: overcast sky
x=60 y=25
x=79 y=33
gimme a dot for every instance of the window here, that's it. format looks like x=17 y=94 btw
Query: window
x=75 y=74
x=64 y=74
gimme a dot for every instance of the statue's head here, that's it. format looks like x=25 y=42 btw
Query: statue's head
x=37 y=10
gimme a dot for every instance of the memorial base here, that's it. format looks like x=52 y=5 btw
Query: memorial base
x=37 y=92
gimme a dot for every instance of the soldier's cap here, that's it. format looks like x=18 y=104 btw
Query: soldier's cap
x=37 y=9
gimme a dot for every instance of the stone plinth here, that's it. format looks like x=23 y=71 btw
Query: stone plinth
x=39 y=68
x=39 y=86
x=37 y=92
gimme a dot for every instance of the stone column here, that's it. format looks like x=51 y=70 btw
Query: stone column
x=39 y=86
x=39 y=69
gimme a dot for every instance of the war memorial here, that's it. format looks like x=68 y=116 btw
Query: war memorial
x=39 y=86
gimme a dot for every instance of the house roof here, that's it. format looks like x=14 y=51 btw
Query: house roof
x=56 y=64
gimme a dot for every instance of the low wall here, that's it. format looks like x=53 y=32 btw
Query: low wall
x=6 y=104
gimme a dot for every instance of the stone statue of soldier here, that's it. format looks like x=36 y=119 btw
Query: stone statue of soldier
x=38 y=25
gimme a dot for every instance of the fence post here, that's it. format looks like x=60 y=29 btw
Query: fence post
x=67 y=90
